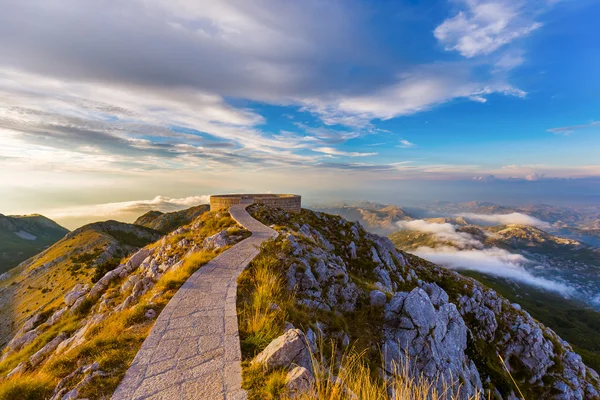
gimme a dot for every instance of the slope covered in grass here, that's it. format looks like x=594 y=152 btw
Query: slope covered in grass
x=80 y=257
x=23 y=236
x=86 y=346
x=167 y=222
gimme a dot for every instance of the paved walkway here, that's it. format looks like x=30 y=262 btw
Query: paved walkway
x=193 y=350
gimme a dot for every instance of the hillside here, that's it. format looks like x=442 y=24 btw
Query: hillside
x=340 y=287
x=378 y=218
x=83 y=320
x=23 y=236
x=325 y=279
x=167 y=222
x=79 y=258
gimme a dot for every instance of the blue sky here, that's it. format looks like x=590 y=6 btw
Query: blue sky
x=123 y=101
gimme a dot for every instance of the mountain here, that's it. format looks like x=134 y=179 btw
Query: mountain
x=79 y=311
x=359 y=294
x=379 y=218
x=79 y=258
x=167 y=222
x=325 y=286
x=22 y=236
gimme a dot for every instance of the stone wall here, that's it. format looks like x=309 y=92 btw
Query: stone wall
x=287 y=202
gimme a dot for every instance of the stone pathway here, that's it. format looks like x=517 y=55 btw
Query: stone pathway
x=193 y=350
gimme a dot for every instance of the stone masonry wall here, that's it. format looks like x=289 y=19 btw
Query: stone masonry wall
x=287 y=202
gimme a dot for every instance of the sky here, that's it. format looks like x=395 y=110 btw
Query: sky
x=107 y=104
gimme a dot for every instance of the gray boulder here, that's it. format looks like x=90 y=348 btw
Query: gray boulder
x=286 y=350
x=299 y=380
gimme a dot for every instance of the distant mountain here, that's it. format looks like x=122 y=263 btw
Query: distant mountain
x=545 y=255
x=22 y=236
x=379 y=218
x=167 y=222
x=80 y=257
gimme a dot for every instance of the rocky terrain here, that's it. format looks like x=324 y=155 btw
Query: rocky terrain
x=81 y=256
x=167 y=222
x=331 y=287
x=378 y=218
x=354 y=287
x=23 y=236
x=79 y=342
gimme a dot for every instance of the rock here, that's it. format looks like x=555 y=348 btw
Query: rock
x=377 y=298
x=74 y=294
x=136 y=260
x=216 y=241
x=56 y=316
x=39 y=356
x=91 y=367
x=130 y=282
x=23 y=340
x=299 y=380
x=289 y=348
x=71 y=395
x=433 y=340
x=32 y=322
x=352 y=248
x=18 y=370
x=150 y=314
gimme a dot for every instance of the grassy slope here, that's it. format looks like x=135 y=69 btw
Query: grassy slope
x=43 y=281
x=168 y=222
x=14 y=249
x=115 y=341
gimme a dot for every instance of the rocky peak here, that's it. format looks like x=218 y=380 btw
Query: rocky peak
x=444 y=324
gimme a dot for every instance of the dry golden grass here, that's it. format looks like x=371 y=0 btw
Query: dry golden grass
x=353 y=379
x=262 y=303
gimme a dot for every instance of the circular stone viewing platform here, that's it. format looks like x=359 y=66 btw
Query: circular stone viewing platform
x=287 y=202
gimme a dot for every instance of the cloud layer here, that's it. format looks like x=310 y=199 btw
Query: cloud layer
x=505 y=219
x=469 y=253
x=127 y=211
x=494 y=261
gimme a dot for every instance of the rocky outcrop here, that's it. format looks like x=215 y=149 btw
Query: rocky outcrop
x=453 y=335
x=427 y=332
x=287 y=350
x=299 y=380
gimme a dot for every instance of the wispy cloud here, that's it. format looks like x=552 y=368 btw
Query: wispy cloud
x=567 y=130
x=505 y=219
x=335 y=152
x=482 y=27
x=405 y=144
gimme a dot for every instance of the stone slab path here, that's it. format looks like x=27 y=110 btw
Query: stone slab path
x=193 y=350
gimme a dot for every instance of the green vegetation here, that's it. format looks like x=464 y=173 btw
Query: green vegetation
x=15 y=249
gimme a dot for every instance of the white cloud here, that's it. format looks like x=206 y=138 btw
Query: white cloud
x=335 y=152
x=505 y=219
x=534 y=176
x=123 y=209
x=444 y=232
x=419 y=90
x=482 y=27
x=494 y=261
x=405 y=144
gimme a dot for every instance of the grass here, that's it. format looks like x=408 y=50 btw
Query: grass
x=261 y=287
x=113 y=342
x=27 y=388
